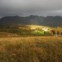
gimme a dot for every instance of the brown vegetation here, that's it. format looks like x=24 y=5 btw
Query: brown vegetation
x=57 y=31
x=31 y=49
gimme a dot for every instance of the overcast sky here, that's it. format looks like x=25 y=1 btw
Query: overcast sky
x=30 y=7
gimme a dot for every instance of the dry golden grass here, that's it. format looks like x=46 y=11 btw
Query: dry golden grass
x=31 y=49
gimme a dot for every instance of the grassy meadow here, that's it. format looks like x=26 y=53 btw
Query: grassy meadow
x=31 y=49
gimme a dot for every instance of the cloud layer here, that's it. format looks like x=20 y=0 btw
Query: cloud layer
x=30 y=7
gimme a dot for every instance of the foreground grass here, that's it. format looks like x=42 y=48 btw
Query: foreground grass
x=31 y=49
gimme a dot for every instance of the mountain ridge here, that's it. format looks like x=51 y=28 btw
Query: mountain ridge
x=52 y=21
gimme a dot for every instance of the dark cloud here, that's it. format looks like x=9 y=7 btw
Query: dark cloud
x=30 y=7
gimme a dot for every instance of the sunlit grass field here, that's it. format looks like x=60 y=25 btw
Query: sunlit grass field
x=31 y=49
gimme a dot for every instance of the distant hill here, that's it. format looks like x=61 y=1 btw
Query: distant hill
x=35 y=20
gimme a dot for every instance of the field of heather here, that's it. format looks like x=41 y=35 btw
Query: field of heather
x=31 y=49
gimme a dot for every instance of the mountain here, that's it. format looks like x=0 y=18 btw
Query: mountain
x=52 y=21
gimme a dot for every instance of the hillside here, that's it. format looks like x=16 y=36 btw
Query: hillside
x=27 y=30
x=35 y=20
